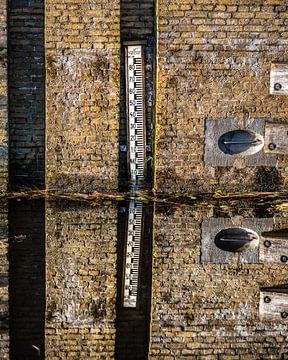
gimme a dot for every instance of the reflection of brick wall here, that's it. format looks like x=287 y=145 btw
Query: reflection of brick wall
x=3 y=99
x=81 y=282
x=4 y=317
x=214 y=62
x=208 y=310
x=82 y=94
x=26 y=90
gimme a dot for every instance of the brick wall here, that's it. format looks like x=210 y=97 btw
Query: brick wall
x=214 y=63
x=81 y=281
x=26 y=91
x=4 y=297
x=82 y=94
x=208 y=311
x=3 y=99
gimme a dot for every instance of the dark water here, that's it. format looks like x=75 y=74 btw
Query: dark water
x=63 y=274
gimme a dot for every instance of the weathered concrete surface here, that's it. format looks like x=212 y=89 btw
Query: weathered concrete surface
x=82 y=42
x=209 y=311
x=80 y=281
x=214 y=62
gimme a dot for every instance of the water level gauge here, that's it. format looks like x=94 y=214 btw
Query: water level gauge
x=135 y=105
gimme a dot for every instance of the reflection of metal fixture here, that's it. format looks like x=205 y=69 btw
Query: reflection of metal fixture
x=284 y=314
x=251 y=142
x=272 y=146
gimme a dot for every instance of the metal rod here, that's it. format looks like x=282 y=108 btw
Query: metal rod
x=252 y=142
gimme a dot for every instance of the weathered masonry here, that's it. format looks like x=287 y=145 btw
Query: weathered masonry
x=218 y=119
x=82 y=43
x=214 y=65
x=210 y=306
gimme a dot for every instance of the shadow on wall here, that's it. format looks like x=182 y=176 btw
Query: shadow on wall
x=268 y=178
x=27 y=279
x=26 y=87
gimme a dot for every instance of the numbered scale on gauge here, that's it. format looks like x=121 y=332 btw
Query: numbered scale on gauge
x=132 y=258
x=135 y=112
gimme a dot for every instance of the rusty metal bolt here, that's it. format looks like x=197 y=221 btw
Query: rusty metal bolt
x=267 y=243
x=272 y=146
x=277 y=86
x=267 y=299
x=284 y=314
x=284 y=258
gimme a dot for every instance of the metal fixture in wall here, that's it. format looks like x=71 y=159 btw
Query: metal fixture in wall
x=227 y=141
x=236 y=239
x=224 y=238
x=279 y=79
x=242 y=142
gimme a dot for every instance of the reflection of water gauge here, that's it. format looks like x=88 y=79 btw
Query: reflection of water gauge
x=132 y=255
x=135 y=105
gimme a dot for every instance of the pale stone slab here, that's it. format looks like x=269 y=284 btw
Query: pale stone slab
x=279 y=79
x=276 y=138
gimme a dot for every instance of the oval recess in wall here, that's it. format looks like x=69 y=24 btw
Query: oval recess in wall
x=236 y=239
x=244 y=142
